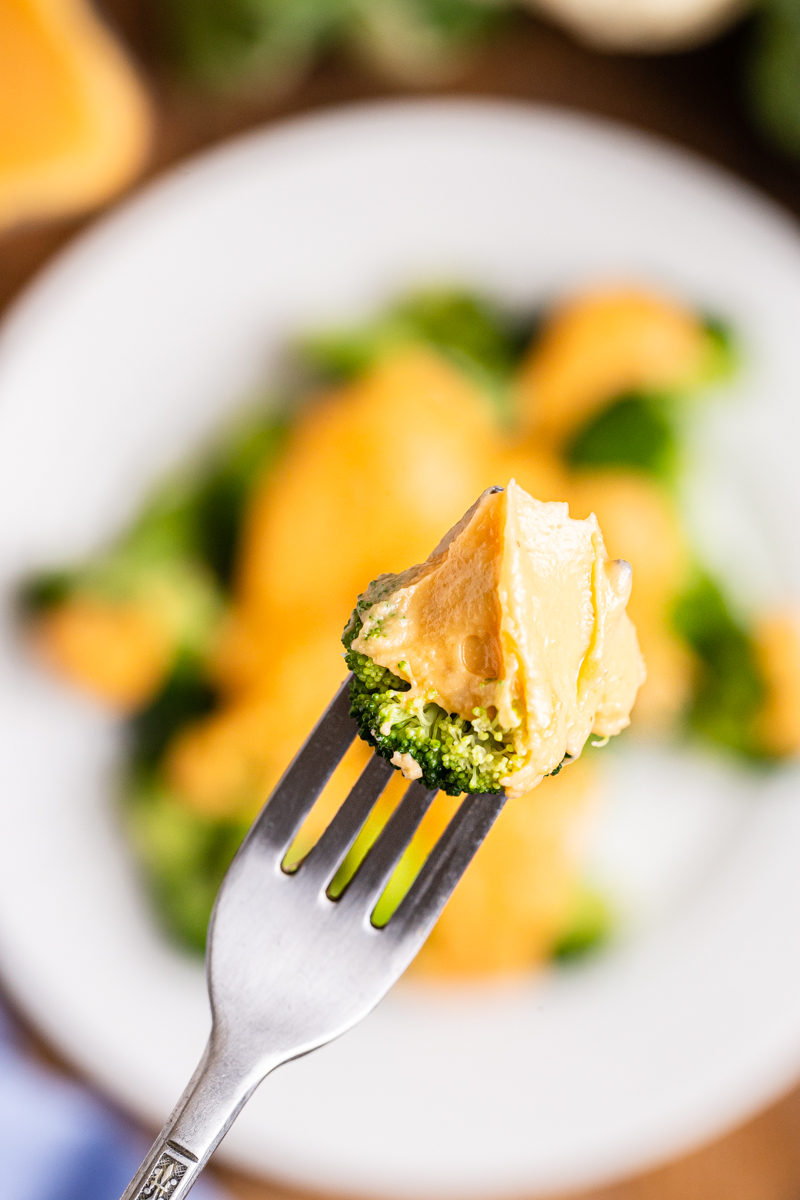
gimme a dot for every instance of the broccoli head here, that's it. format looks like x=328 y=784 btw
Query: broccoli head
x=453 y=754
x=486 y=667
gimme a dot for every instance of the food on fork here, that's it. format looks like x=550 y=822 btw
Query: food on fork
x=488 y=666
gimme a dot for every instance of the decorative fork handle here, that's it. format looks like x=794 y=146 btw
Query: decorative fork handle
x=208 y=1107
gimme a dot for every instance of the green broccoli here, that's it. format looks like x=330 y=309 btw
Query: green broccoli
x=633 y=432
x=729 y=689
x=641 y=430
x=590 y=926
x=455 y=755
x=183 y=856
x=479 y=338
x=186 y=695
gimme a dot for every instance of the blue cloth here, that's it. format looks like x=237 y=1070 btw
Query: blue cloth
x=58 y=1140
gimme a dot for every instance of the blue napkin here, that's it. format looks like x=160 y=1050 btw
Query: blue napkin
x=58 y=1140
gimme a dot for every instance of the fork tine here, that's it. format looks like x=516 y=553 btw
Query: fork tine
x=302 y=782
x=370 y=879
x=323 y=859
x=419 y=909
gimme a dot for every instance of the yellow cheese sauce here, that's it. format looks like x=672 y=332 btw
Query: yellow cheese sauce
x=518 y=611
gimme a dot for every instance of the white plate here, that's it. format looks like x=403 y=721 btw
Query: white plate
x=129 y=348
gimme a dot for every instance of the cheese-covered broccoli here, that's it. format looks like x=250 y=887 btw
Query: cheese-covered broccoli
x=488 y=666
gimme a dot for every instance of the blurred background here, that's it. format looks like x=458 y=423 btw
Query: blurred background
x=97 y=99
x=705 y=73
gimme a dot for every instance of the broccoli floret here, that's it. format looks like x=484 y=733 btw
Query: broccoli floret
x=481 y=340
x=633 y=431
x=185 y=695
x=183 y=855
x=729 y=688
x=590 y=926
x=455 y=755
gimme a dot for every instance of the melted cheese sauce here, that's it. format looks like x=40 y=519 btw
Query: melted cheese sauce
x=520 y=612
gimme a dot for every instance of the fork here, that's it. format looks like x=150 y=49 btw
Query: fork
x=288 y=967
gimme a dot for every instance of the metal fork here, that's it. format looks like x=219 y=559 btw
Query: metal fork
x=289 y=968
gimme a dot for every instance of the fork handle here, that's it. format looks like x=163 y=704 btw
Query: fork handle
x=205 y=1112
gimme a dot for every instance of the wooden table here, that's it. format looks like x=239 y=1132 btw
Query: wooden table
x=693 y=99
